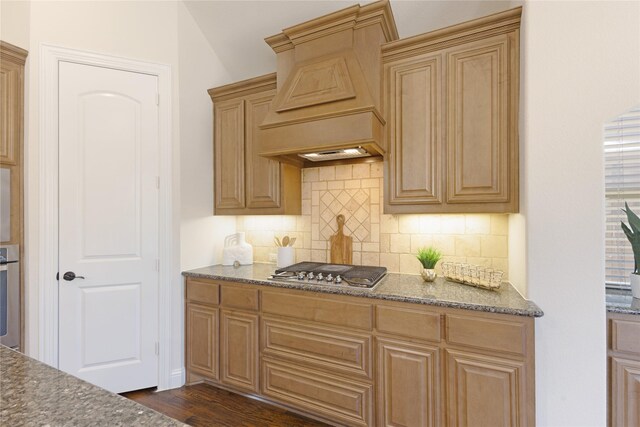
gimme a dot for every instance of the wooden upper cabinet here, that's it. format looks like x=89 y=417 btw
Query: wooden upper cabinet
x=478 y=150
x=415 y=131
x=451 y=103
x=229 y=154
x=12 y=62
x=263 y=181
x=246 y=183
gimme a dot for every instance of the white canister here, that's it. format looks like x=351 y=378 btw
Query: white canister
x=286 y=256
x=237 y=249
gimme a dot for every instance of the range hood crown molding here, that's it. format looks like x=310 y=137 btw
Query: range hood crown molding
x=329 y=80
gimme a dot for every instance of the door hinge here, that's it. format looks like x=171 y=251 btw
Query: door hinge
x=158 y=265
x=157 y=99
x=58 y=276
x=157 y=182
x=157 y=348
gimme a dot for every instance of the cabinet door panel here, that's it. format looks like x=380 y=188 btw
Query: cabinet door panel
x=202 y=340
x=229 y=154
x=478 y=149
x=485 y=391
x=625 y=392
x=239 y=348
x=10 y=110
x=263 y=175
x=415 y=140
x=408 y=386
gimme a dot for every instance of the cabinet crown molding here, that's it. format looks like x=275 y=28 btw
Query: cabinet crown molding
x=497 y=23
x=351 y=17
x=9 y=52
x=243 y=88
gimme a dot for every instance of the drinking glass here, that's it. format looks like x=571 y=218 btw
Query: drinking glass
x=496 y=279
x=458 y=271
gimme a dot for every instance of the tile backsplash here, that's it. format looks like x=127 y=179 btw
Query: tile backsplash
x=378 y=239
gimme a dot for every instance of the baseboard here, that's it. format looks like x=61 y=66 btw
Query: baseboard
x=177 y=378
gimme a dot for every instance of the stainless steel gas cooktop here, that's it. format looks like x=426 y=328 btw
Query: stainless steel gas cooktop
x=319 y=273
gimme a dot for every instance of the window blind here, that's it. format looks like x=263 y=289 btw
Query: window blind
x=622 y=184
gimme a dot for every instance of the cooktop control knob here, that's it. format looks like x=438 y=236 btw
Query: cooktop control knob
x=301 y=275
x=319 y=277
x=338 y=279
x=310 y=275
x=329 y=278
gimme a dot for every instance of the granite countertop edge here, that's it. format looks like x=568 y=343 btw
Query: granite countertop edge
x=621 y=301
x=532 y=310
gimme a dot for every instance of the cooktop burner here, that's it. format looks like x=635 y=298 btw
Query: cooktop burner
x=331 y=274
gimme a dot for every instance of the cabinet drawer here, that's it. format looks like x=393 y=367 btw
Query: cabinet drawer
x=345 y=401
x=408 y=323
x=323 y=310
x=239 y=298
x=488 y=334
x=625 y=336
x=335 y=351
x=203 y=292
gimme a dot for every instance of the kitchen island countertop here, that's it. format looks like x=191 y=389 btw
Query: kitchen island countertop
x=394 y=287
x=35 y=394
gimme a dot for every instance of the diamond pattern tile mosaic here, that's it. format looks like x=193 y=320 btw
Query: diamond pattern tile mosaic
x=354 y=204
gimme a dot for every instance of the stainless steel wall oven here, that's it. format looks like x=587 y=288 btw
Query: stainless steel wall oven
x=10 y=296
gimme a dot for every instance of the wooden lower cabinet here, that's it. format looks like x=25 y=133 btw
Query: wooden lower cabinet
x=408 y=384
x=202 y=341
x=361 y=362
x=624 y=370
x=484 y=390
x=239 y=349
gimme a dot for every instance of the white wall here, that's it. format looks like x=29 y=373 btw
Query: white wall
x=580 y=67
x=201 y=233
x=14 y=22
x=200 y=69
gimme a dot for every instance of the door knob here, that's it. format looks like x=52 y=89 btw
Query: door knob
x=70 y=275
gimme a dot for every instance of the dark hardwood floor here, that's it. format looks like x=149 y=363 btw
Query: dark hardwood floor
x=204 y=405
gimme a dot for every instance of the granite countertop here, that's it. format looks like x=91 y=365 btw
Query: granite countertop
x=35 y=394
x=394 y=287
x=619 y=301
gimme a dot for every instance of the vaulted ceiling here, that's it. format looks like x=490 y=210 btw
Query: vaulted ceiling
x=236 y=29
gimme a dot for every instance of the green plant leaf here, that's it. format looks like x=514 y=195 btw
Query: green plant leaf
x=634 y=220
x=428 y=257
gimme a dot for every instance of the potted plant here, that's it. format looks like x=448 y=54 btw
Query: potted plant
x=633 y=234
x=429 y=257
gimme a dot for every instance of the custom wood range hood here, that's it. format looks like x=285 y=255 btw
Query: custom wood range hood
x=329 y=99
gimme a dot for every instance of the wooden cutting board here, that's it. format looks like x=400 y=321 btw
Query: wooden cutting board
x=341 y=245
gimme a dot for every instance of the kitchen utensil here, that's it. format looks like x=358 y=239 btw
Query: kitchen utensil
x=278 y=242
x=341 y=245
x=285 y=241
x=292 y=241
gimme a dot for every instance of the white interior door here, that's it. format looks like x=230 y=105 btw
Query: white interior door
x=108 y=226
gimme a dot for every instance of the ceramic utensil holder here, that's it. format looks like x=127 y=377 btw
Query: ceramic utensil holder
x=286 y=256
